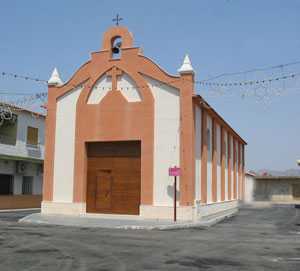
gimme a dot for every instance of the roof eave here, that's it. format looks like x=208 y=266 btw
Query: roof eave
x=204 y=103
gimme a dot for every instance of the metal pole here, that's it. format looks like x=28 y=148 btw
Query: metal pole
x=175 y=185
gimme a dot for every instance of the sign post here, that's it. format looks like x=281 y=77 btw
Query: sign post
x=175 y=200
x=174 y=171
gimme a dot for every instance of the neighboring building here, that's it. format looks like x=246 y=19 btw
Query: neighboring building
x=249 y=187
x=119 y=123
x=21 y=157
x=272 y=189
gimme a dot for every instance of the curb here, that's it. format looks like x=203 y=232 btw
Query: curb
x=19 y=210
x=204 y=224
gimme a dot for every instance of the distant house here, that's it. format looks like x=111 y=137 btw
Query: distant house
x=21 y=157
x=249 y=186
x=272 y=189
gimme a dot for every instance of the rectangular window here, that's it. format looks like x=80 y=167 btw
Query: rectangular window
x=27 y=185
x=6 y=184
x=32 y=136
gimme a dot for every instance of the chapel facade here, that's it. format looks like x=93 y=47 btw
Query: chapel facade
x=114 y=129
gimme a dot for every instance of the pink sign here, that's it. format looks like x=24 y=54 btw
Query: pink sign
x=174 y=171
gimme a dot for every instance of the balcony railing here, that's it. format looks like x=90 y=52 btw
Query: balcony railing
x=34 y=150
x=33 y=146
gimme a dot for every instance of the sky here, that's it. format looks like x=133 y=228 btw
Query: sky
x=220 y=36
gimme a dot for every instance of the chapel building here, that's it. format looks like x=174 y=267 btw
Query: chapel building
x=114 y=129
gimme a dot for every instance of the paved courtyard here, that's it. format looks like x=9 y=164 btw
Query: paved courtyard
x=255 y=239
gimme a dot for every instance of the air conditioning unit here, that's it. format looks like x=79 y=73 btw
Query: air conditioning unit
x=20 y=167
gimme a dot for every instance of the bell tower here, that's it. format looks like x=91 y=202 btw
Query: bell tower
x=115 y=39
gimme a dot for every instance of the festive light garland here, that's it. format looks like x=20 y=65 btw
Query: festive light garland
x=17 y=76
x=280 y=66
x=260 y=88
x=201 y=82
x=251 y=82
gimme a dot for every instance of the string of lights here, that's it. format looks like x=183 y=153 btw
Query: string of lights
x=15 y=93
x=221 y=90
x=17 y=76
x=280 y=66
x=261 y=88
x=224 y=84
x=251 y=82
x=202 y=82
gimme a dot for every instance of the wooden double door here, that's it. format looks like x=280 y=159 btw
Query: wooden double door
x=114 y=185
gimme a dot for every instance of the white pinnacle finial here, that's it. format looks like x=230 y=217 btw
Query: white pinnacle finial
x=55 y=79
x=186 y=66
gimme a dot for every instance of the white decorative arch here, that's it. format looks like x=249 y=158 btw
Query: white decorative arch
x=128 y=88
x=100 y=89
x=125 y=85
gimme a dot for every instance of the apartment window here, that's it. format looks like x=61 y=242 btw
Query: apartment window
x=6 y=184
x=32 y=136
x=27 y=185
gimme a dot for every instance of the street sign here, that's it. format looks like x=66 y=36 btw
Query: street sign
x=174 y=171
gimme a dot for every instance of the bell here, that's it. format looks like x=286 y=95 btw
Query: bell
x=115 y=50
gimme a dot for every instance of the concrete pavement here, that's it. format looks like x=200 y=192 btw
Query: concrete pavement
x=254 y=239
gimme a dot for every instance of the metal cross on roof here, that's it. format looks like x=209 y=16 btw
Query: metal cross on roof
x=117 y=19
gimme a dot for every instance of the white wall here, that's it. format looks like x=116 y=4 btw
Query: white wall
x=7 y=167
x=100 y=89
x=198 y=115
x=240 y=176
x=249 y=188
x=232 y=169
x=125 y=84
x=219 y=168
x=237 y=168
x=166 y=139
x=128 y=88
x=226 y=164
x=38 y=185
x=65 y=146
x=209 y=161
